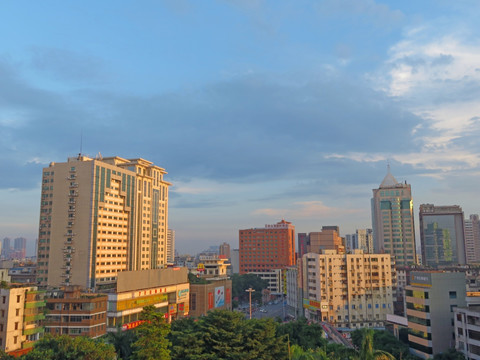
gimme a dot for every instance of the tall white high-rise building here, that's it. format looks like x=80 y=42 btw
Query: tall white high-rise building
x=392 y=220
x=472 y=239
x=99 y=217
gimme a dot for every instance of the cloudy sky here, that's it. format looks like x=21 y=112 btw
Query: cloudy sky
x=258 y=110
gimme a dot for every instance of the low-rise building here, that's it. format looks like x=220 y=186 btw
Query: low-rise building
x=212 y=266
x=21 y=313
x=166 y=289
x=216 y=294
x=75 y=313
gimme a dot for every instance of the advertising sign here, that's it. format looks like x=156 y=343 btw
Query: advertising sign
x=219 y=296
x=420 y=279
x=228 y=296
x=210 y=300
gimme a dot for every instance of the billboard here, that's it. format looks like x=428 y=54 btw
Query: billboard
x=220 y=296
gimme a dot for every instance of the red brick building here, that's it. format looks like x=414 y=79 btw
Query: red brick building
x=264 y=249
x=71 y=312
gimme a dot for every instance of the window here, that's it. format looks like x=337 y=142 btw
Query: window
x=452 y=294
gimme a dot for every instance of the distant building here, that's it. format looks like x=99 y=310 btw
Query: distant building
x=22 y=311
x=170 y=246
x=75 y=313
x=6 y=248
x=303 y=242
x=265 y=249
x=392 y=220
x=19 y=248
x=362 y=240
x=442 y=235
x=224 y=250
x=294 y=291
x=99 y=217
x=235 y=261
x=327 y=239
x=472 y=239
x=431 y=298
x=348 y=290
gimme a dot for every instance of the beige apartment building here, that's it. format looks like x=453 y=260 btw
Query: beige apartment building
x=21 y=313
x=392 y=220
x=99 y=217
x=348 y=290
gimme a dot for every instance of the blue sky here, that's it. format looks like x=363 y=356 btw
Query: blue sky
x=258 y=110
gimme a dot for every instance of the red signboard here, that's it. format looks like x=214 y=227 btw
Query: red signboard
x=210 y=300
x=132 y=325
x=227 y=296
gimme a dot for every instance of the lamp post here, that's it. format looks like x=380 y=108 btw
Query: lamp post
x=250 y=290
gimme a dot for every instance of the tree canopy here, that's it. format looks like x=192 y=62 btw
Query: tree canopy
x=152 y=342
x=67 y=348
x=240 y=283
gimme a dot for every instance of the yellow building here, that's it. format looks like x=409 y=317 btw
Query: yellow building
x=99 y=217
x=212 y=266
x=348 y=290
x=21 y=311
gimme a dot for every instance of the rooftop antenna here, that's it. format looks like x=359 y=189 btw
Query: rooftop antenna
x=81 y=144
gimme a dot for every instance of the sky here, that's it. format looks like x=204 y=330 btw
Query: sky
x=258 y=110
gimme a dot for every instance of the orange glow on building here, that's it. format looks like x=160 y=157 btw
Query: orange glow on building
x=264 y=249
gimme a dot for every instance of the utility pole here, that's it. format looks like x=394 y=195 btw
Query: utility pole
x=250 y=290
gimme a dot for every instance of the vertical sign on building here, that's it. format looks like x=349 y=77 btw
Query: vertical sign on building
x=210 y=300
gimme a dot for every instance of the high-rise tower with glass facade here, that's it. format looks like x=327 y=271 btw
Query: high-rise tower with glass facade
x=99 y=217
x=392 y=220
x=442 y=235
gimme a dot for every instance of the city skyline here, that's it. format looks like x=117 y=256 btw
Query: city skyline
x=257 y=110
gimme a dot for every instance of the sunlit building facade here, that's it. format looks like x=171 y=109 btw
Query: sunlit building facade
x=348 y=290
x=99 y=217
x=392 y=220
x=265 y=249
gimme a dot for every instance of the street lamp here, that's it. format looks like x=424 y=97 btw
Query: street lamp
x=250 y=290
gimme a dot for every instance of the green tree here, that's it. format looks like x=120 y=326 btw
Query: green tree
x=240 y=283
x=123 y=342
x=383 y=340
x=261 y=340
x=226 y=335
x=367 y=352
x=5 y=356
x=186 y=339
x=297 y=353
x=300 y=332
x=450 y=354
x=67 y=348
x=152 y=342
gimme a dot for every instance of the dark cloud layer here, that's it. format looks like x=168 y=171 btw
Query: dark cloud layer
x=250 y=128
